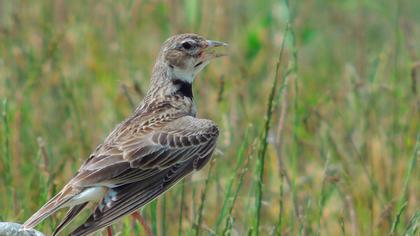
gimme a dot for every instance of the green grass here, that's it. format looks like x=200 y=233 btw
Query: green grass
x=324 y=143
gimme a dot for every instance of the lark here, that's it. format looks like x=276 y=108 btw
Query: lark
x=150 y=151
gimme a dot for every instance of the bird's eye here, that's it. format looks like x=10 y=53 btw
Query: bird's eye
x=187 y=45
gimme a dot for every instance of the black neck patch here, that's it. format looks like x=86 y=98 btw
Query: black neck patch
x=184 y=88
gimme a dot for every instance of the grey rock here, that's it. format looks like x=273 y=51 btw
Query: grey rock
x=15 y=229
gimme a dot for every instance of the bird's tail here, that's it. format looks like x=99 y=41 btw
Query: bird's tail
x=73 y=212
x=54 y=204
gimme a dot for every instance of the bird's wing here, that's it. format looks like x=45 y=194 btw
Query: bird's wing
x=145 y=167
x=133 y=158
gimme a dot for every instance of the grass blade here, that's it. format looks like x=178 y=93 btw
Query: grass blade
x=229 y=219
x=153 y=216
x=6 y=155
x=199 y=219
x=163 y=216
x=402 y=204
x=413 y=225
x=181 y=208
x=228 y=201
x=264 y=143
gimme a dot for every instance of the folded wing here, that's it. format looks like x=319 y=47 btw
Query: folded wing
x=139 y=169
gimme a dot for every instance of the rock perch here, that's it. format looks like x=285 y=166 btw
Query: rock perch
x=13 y=229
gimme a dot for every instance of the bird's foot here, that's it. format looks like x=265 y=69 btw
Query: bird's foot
x=137 y=216
x=109 y=231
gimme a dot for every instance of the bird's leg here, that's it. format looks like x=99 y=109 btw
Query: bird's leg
x=109 y=231
x=139 y=217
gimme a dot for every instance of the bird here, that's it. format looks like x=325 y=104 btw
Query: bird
x=159 y=144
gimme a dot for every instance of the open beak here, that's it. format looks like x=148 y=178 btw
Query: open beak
x=212 y=49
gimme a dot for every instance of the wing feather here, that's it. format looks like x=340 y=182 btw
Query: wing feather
x=178 y=141
x=129 y=198
x=152 y=165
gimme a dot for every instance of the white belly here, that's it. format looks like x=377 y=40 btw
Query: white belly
x=92 y=194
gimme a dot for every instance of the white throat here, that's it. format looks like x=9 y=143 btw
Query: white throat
x=185 y=75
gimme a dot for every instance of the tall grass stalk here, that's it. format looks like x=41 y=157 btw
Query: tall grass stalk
x=68 y=89
x=43 y=165
x=6 y=156
x=293 y=71
x=402 y=203
x=279 y=225
x=398 y=218
x=228 y=200
x=199 y=218
x=282 y=94
x=163 y=216
x=229 y=219
x=181 y=207
x=153 y=216
x=413 y=225
x=263 y=145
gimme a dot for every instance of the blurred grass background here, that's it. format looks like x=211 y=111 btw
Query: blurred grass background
x=328 y=145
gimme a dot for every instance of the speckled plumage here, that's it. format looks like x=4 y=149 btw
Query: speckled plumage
x=159 y=144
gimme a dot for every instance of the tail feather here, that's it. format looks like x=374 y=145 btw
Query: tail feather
x=73 y=212
x=53 y=205
x=128 y=198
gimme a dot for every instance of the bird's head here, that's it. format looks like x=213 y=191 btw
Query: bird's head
x=188 y=54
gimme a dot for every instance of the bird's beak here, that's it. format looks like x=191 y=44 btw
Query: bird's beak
x=213 y=44
x=211 y=50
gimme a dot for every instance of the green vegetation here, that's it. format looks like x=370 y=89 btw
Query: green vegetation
x=318 y=106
